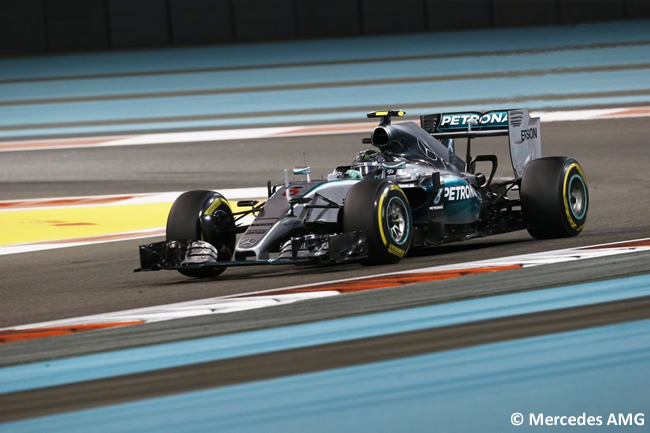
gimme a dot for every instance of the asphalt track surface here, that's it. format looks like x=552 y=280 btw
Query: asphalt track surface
x=78 y=281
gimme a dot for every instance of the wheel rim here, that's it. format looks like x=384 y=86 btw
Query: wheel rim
x=577 y=197
x=397 y=221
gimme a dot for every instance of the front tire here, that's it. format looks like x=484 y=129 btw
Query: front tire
x=380 y=209
x=554 y=197
x=206 y=216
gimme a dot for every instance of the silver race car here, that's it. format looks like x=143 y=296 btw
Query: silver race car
x=412 y=190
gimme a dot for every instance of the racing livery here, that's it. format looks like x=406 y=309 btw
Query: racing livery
x=412 y=190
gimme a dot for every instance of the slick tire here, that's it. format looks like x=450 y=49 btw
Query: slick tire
x=554 y=197
x=380 y=209
x=206 y=216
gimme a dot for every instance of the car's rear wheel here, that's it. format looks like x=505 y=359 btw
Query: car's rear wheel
x=554 y=197
x=206 y=216
x=380 y=209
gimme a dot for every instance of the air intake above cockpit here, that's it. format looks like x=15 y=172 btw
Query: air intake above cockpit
x=380 y=137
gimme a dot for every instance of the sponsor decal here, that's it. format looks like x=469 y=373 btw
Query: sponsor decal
x=455 y=193
x=341 y=170
x=527 y=134
x=462 y=120
x=248 y=242
x=294 y=190
x=438 y=196
x=425 y=149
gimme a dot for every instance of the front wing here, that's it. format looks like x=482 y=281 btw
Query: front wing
x=188 y=254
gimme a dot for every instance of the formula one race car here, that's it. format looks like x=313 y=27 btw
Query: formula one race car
x=413 y=191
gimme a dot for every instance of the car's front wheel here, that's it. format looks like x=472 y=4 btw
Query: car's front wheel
x=380 y=209
x=205 y=216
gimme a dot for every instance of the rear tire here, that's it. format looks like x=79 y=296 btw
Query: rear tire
x=554 y=197
x=380 y=209
x=206 y=216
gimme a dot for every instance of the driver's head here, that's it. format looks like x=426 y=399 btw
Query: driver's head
x=368 y=155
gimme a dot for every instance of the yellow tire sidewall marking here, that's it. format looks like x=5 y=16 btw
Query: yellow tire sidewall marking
x=380 y=220
x=567 y=209
x=213 y=207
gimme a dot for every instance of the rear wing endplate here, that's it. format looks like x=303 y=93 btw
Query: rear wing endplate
x=524 y=132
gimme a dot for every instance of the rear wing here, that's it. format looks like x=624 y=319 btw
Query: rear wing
x=524 y=132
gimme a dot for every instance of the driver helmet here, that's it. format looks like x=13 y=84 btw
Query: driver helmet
x=367 y=162
x=365 y=156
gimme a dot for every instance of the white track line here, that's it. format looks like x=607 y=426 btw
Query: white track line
x=232 y=194
x=31 y=247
